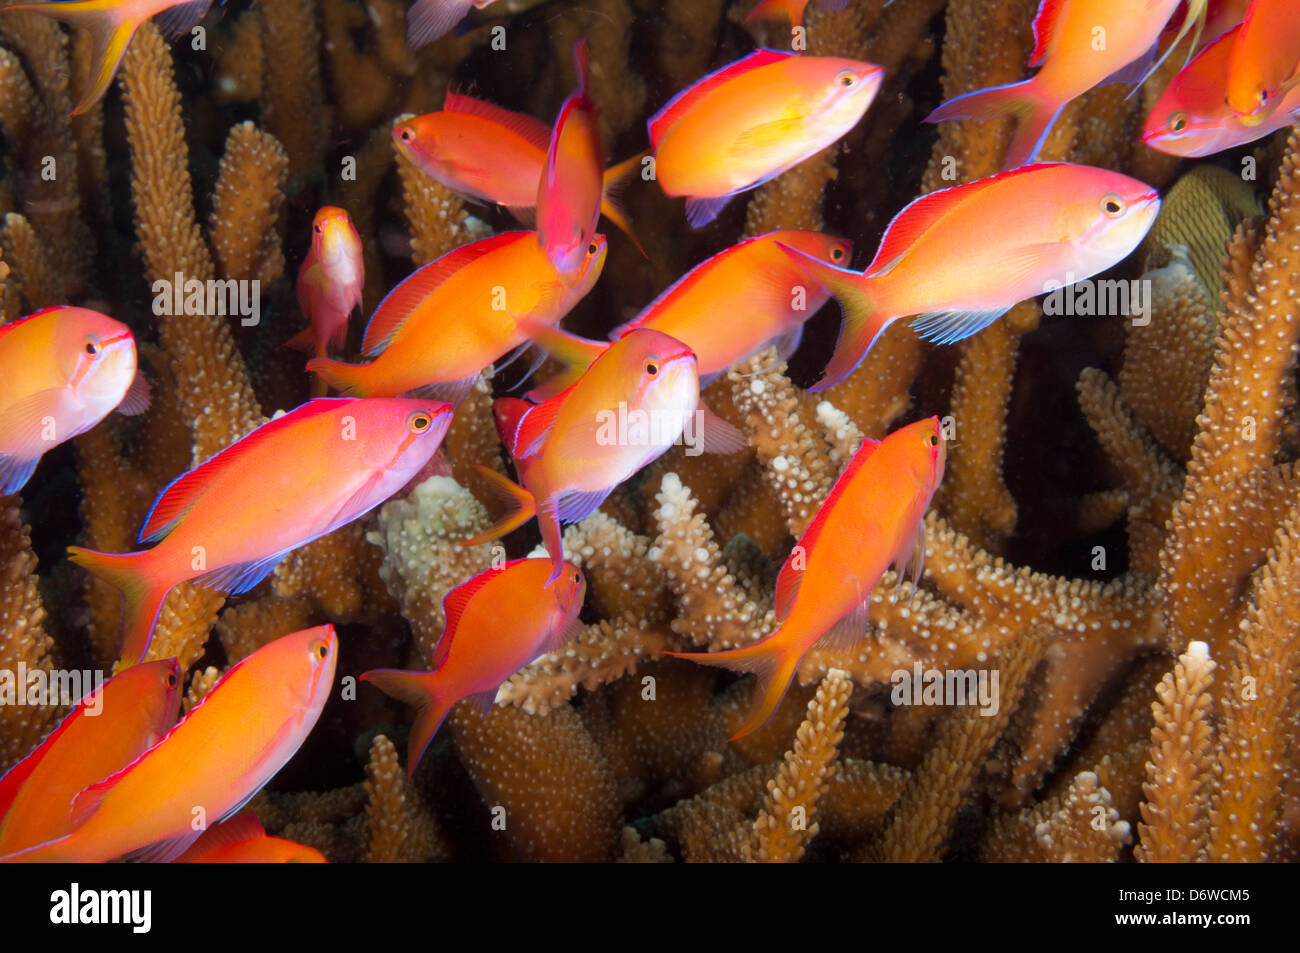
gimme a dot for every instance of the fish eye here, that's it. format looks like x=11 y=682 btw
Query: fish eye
x=91 y=347
x=171 y=680
x=846 y=79
x=322 y=651
x=418 y=422
x=934 y=439
x=317 y=229
x=651 y=367
x=1263 y=96
x=592 y=248
x=577 y=578
x=1112 y=204
x=837 y=253
x=405 y=134
x=1178 y=122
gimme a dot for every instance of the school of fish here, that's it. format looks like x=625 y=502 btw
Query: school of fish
x=120 y=774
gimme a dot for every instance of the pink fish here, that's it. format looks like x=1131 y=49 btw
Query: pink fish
x=497 y=623
x=571 y=188
x=329 y=281
x=427 y=20
x=64 y=370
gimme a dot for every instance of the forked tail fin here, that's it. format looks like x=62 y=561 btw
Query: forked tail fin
x=521 y=507
x=611 y=201
x=419 y=689
x=773 y=666
x=349 y=379
x=142 y=595
x=1033 y=113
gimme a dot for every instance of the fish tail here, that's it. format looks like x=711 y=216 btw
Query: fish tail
x=520 y=506
x=351 y=380
x=109 y=29
x=1034 y=115
x=774 y=668
x=574 y=352
x=304 y=340
x=142 y=595
x=775 y=10
x=419 y=689
x=611 y=201
x=863 y=323
x=549 y=522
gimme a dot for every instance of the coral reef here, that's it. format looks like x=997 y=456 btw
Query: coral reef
x=1115 y=538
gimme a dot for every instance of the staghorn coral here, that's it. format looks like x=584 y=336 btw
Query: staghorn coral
x=604 y=750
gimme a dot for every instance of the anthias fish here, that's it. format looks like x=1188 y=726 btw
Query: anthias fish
x=1263 y=60
x=111 y=24
x=871 y=520
x=216 y=758
x=1066 y=35
x=329 y=281
x=791 y=10
x=633 y=403
x=569 y=192
x=438 y=329
x=961 y=257
x=427 y=20
x=752 y=120
x=725 y=309
x=108 y=729
x=243 y=840
x=226 y=523
x=1192 y=117
x=497 y=623
x=485 y=153
x=64 y=370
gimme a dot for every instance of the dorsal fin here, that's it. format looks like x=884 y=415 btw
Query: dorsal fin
x=533 y=131
x=402 y=301
x=667 y=117
x=454 y=605
x=182 y=492
x=922 y=214
x=13 y=780
x=5 y=329
x=536 y=424
x=787 y=582
x=1049 y=12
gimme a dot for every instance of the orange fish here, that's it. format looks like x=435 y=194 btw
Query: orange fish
x=427 y=20
x=771 y=293
x=485 y=153
x=329 y=281
x=438 y=329
x=635 y=401
x=750 y=121
x=497 y=623
x=216 y=758
x=791 y=10
x=1264 y=57
x=1192 y=118
x=65 y=370
x=569 y=193
x=962 y=257
x=108 y=729
x=111 y=24
x=872 y=519
x=1079 y=44
x=243 y=840
x=227 y=522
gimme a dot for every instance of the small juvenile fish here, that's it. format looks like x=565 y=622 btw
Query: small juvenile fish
x=1262 y=63
x=485 y=153
x=438 y=329
x=791 y=10
x=632 y=404
x=226 y=523
x=111 y=24
x=108 y=729
x=64 y=370
x=960 y=258
x=243 y=840
x=497 y=623
x=871 y=520
x=329 y=281
x=725 y=309
x=427 y=20
x=1192 y=118
x=217 y=757
x=570 y=191
x=750 y=121
x=1066 y=47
